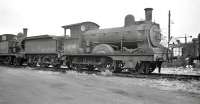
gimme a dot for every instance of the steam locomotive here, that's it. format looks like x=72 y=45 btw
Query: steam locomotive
x=135 y=47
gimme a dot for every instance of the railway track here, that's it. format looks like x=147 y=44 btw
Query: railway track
x=150 y=76
x=160 y=76
x=131 y=75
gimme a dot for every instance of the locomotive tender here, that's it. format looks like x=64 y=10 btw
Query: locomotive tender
x=133 y=47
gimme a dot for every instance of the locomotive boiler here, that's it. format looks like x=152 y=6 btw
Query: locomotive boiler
x=135 y=46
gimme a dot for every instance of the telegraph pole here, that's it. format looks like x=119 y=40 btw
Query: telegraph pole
x=169 y=34
x=122 y=40
x=169 y=22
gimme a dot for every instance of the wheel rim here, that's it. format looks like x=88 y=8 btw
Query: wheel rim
x=144 y=68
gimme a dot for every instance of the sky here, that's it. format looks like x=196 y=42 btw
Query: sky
x=47 y=16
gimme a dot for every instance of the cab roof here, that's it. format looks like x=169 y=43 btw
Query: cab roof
x=87 y=22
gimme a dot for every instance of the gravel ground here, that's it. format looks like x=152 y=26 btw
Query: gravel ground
x=180 y=70
x=26 y=86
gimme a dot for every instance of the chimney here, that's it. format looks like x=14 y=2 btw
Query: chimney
x=148 y=14
x=25 y=30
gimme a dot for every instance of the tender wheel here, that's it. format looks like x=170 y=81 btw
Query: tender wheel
x=32 y=61
x=16 y=61
x=32 y=64
x=46 y=61
x=8 y=61
x=76 y=67
x=91 y=67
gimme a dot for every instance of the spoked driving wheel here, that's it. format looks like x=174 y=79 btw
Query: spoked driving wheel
x=144 y=68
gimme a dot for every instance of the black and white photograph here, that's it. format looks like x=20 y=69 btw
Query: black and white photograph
x=99 y=52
